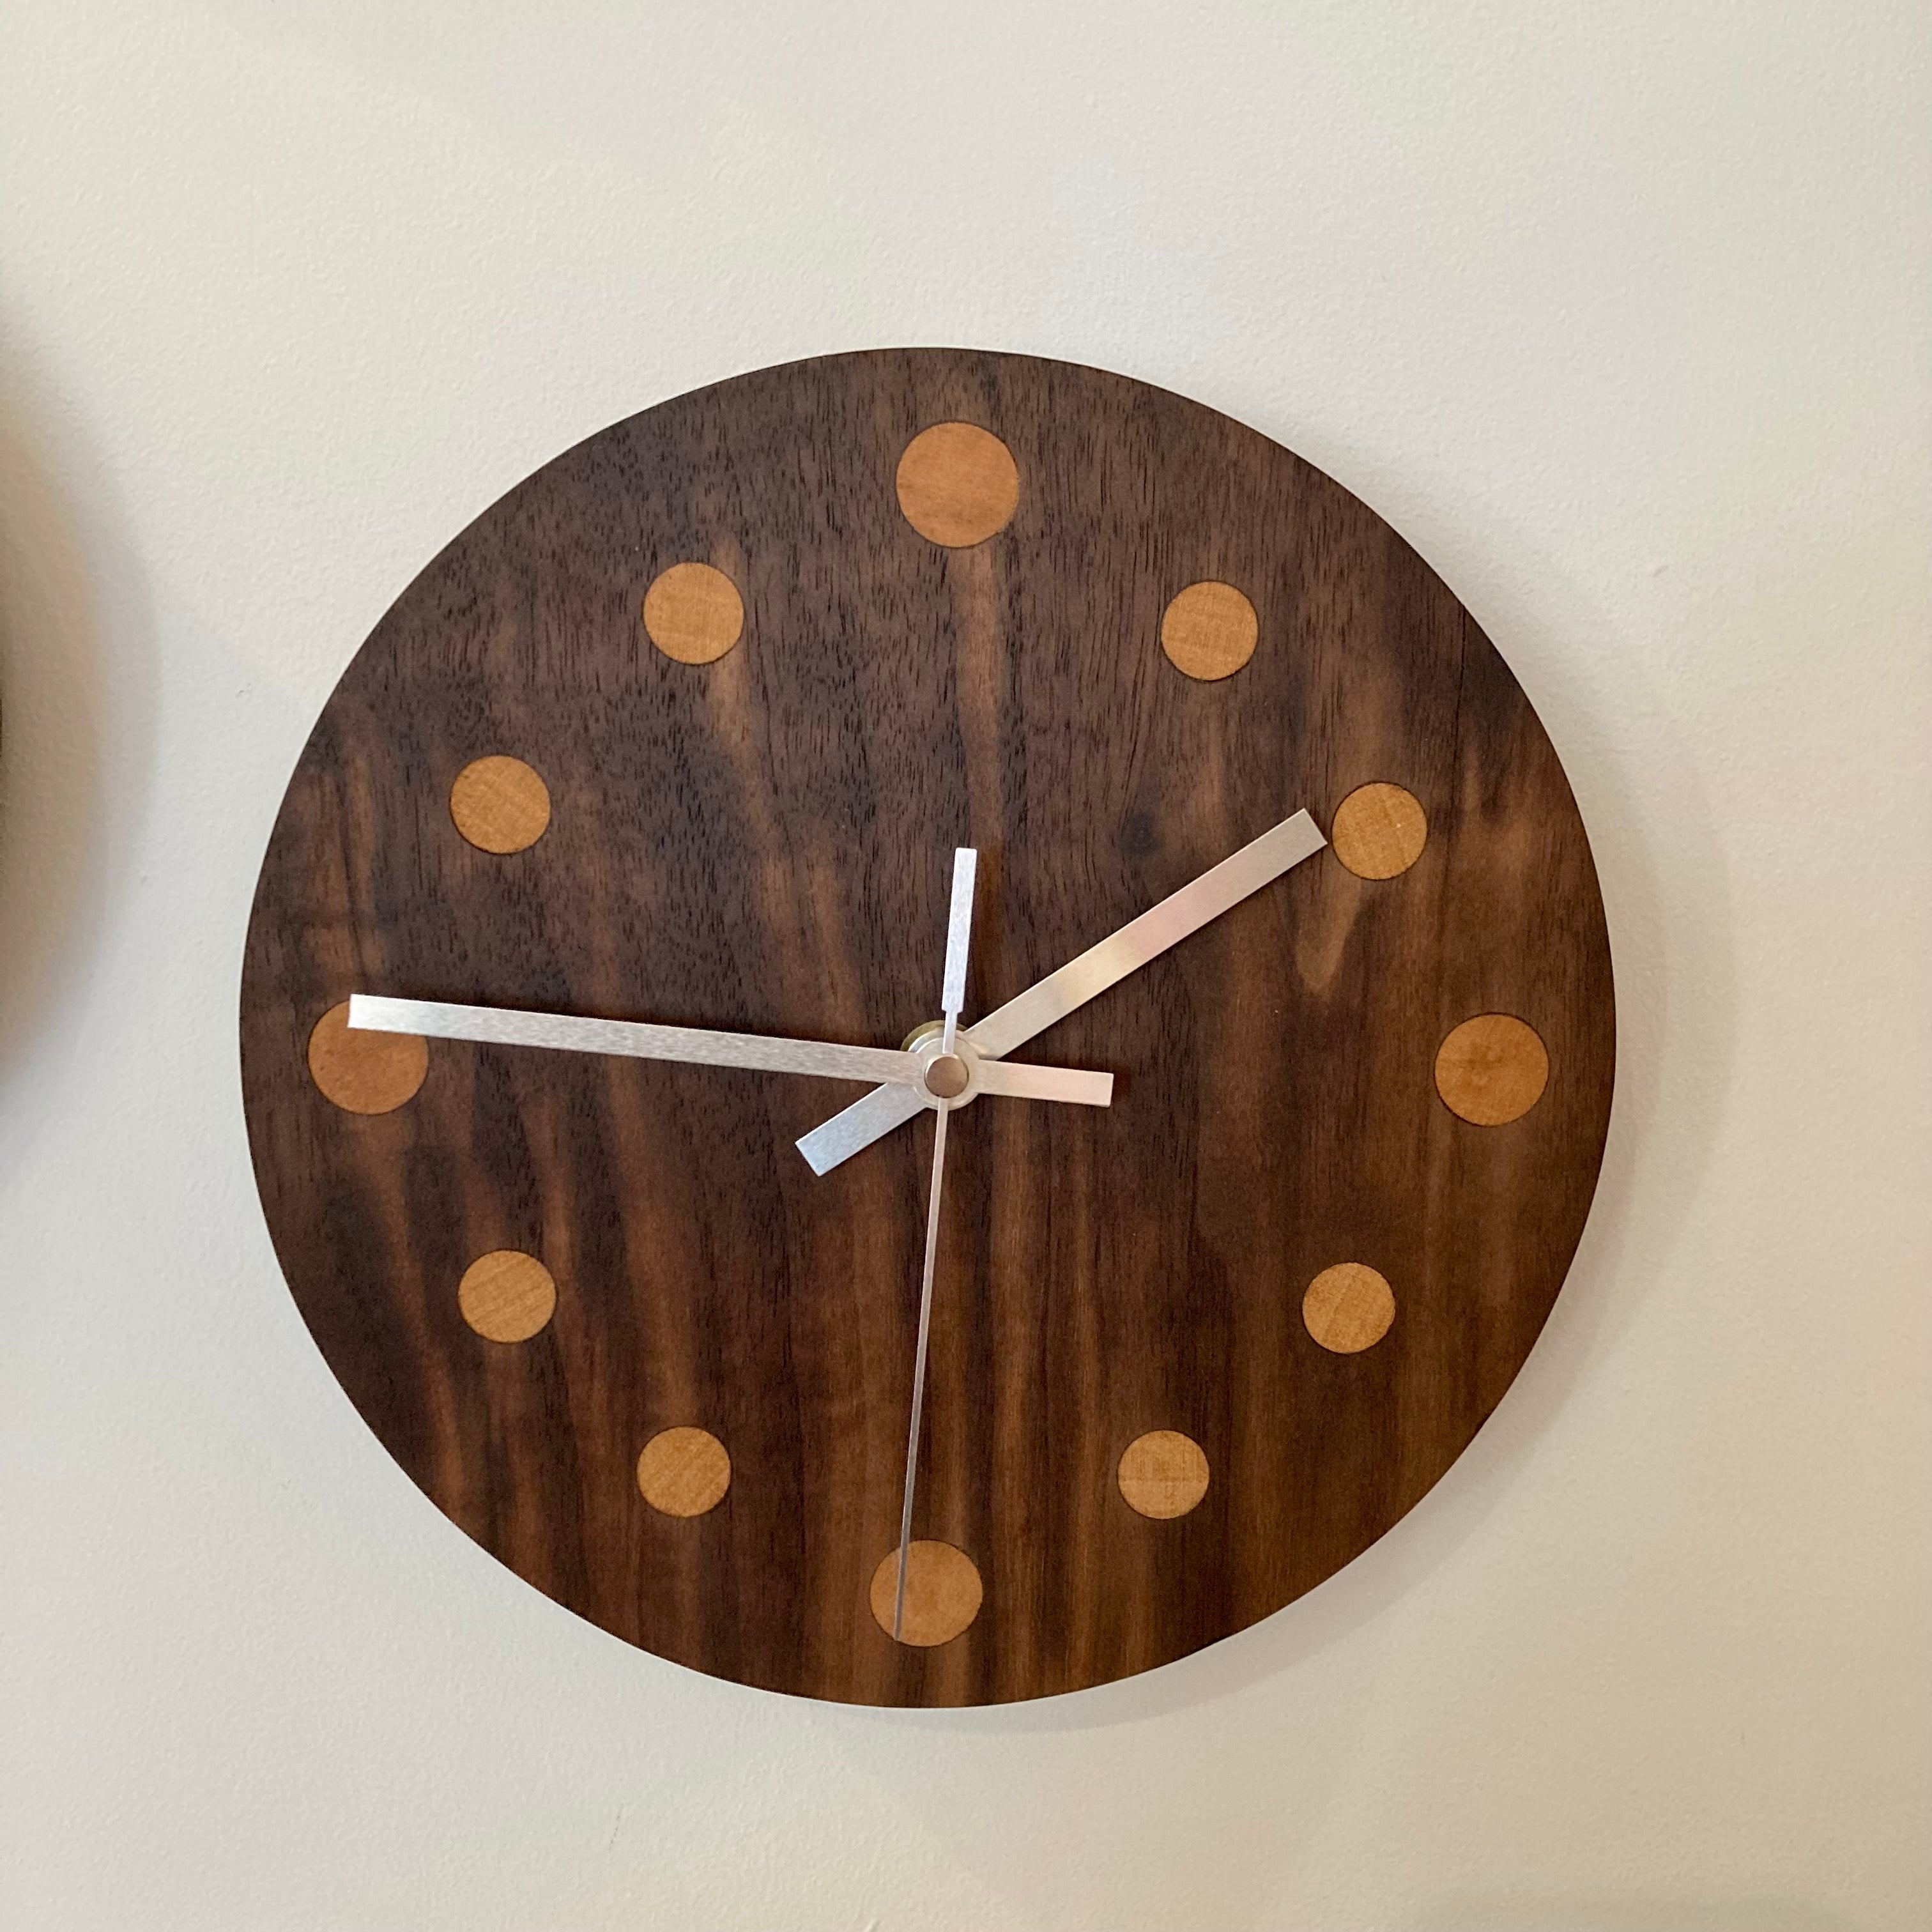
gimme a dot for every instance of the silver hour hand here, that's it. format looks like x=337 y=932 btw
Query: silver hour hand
x=1176 y=917
x=855 y=1128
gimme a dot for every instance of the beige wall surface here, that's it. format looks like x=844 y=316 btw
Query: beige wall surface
x=1621 y=313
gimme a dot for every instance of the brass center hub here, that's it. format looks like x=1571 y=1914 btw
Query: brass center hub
x=946 y=1077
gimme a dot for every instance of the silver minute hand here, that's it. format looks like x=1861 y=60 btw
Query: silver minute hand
x=1177 y=916
x=1174 y=919
x=573 y=1033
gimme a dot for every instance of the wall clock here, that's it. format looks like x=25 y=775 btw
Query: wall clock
x=646 y=796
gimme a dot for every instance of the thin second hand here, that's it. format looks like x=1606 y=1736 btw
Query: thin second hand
x=919 y=1360
x=951 y=998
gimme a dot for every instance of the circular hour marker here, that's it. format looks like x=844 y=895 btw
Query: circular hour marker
x=364 y=1073
x=947 y=1076
x=1209 y=631
x=1491 y=1069
x=943 y=1593
x=693 y=613
x=499 y=804
x=1379 y=831
x=684 y=1471
x=1163 y=1473
x=958 y=485
x=506 y=1295
x=1349 y=1307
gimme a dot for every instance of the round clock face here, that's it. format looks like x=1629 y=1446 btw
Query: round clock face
x=685 y=730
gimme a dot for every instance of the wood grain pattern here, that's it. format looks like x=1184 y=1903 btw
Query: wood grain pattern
x=763 y=843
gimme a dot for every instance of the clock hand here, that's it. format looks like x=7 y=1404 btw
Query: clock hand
x=1177 y=916
x=952 y=997
x=1141 y=939
x=905 y=1073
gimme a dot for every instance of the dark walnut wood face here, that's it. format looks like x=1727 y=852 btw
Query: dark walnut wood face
x=685 y=729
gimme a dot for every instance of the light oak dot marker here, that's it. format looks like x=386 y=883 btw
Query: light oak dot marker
x=499 y=804
x=1379 y=831
x=684 y=1471
x=1209 y=631
x=1349 y=1307
x=943 y=1594
x=958 y=485
x=1491 y=1069
x=693 y=613
x=1163 y=1474
x=506 y=1295
x=364 y=1073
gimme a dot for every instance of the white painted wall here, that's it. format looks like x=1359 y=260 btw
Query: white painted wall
x=1620 y=313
